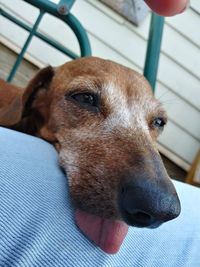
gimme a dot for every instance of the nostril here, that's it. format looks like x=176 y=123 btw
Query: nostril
x=128 y=203
x=141 y=217
x=123 y=190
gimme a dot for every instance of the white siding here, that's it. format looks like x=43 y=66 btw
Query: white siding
x=115 y=38
x=195 y=4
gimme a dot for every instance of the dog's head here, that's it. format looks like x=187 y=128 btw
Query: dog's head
x=104 y=121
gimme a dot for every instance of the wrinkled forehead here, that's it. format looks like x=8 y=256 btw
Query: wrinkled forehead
x=112 y=90
x=126 y=99
x=103 y=74
x=119 y=87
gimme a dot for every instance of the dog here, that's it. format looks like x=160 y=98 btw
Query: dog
x=103 y=120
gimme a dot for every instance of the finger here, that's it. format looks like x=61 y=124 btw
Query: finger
x=168 y=7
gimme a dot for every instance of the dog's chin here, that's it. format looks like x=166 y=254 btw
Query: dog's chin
x=107 y=234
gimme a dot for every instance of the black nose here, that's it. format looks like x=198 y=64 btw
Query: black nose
x=148 y=204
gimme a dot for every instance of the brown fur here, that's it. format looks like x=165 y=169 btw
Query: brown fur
x=97 y=150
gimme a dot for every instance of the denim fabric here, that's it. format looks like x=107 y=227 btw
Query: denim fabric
x=37 y=225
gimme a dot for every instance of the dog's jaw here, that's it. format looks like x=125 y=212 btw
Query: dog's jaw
x=107 y=234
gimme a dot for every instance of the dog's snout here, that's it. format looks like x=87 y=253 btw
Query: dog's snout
x=134 y=211
x=148 y=205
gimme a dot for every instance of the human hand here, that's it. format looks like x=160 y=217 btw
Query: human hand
x=168 y=7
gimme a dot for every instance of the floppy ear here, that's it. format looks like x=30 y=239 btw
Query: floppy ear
x=27 y=112
x=10 y=103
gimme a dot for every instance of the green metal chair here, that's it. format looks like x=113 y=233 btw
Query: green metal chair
x=153 y=49
x=62 y=12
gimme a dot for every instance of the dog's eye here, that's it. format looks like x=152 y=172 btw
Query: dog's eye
x=86 y=100
x=159 y=123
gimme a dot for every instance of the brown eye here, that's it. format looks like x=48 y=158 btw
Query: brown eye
x=85 y=99
x=89 y=101
x=159 y=123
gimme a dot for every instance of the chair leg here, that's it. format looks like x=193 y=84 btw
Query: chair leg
x=28 y=40
x=153 y=49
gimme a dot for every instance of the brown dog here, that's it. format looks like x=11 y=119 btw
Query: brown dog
x=104 y=120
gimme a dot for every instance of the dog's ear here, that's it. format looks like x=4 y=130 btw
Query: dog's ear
x=10 y=103
x=30 y=108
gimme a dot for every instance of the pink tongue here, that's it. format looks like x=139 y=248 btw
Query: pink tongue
x=107 y=234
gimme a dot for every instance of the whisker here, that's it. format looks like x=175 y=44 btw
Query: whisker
x=169 y=100
x=162 y=95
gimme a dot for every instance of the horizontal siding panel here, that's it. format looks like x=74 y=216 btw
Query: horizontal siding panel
x=100 y=49
x=179 y=80
x=180 y=23
x=179 y=142
x=12 y=32
x=196 y=5
x=64 y=35
x=179 y=111
x=30 y=14
x=181 y=50
x=120 y=38
x=50 y=24
x=187 y=57
x=123 y=40
x=42 y=52
x=104 y=9
x=48 y=55
x=142 y=30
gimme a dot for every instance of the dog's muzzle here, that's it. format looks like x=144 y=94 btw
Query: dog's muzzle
x=148 y=202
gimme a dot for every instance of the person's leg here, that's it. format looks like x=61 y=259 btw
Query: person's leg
x=37 y=222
